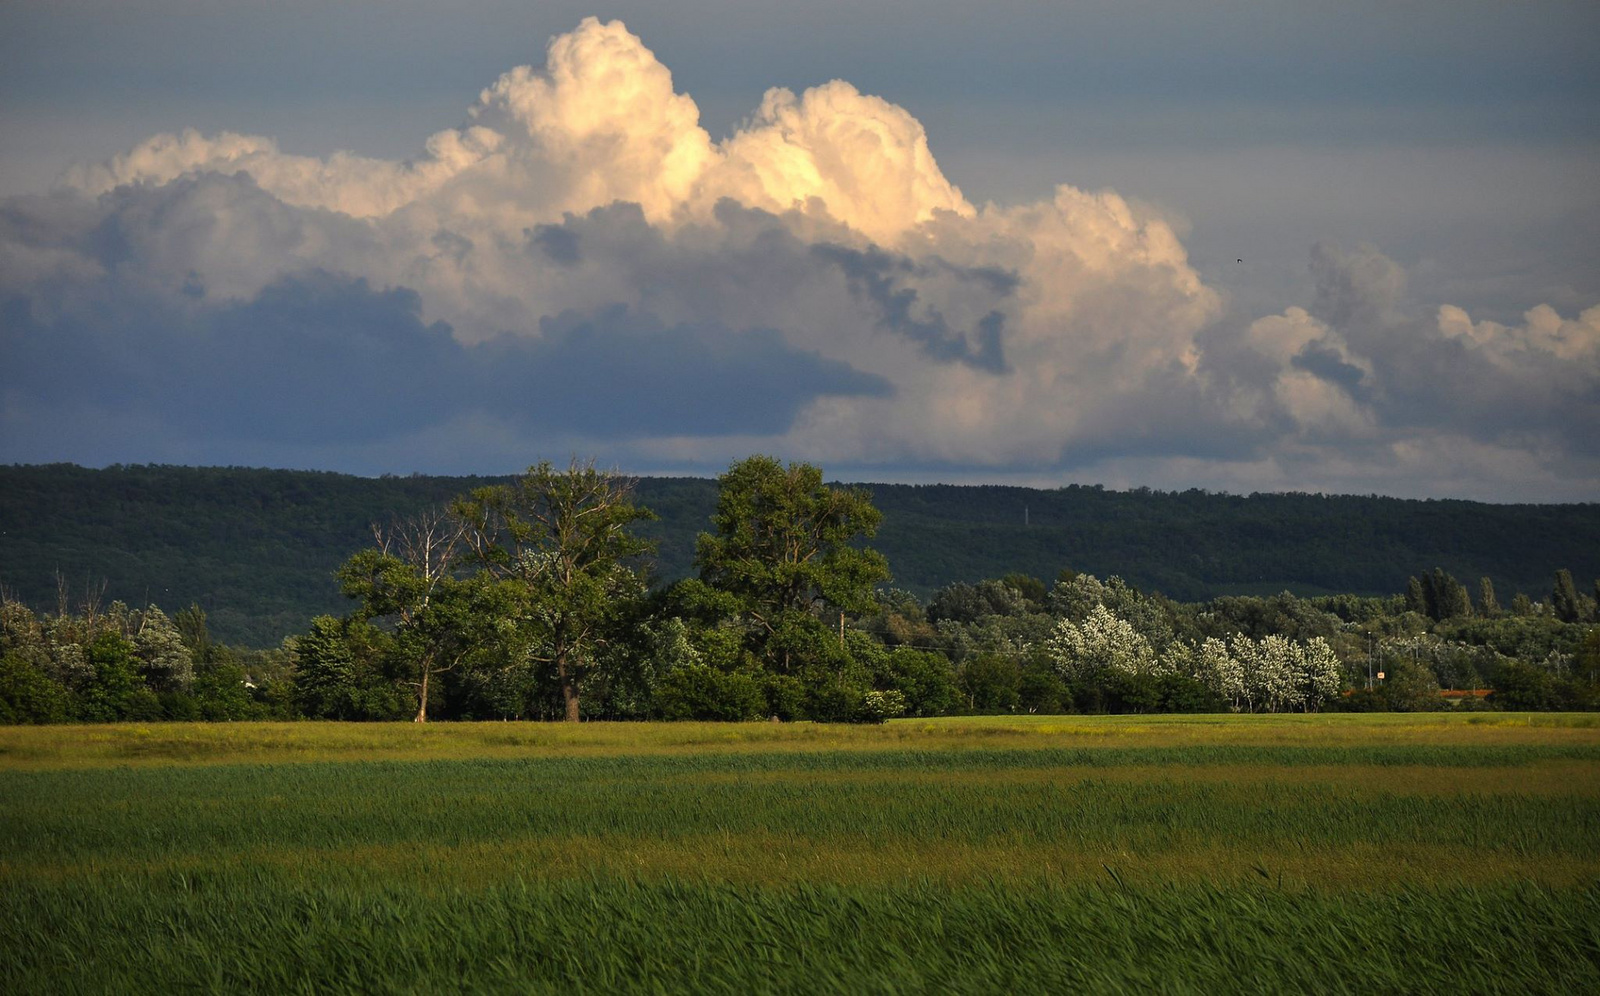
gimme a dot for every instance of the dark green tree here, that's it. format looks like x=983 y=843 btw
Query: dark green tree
x=1524 y=687
x=923 y=678
x=1029 y=587
x=1586 y=672
x=991 y=683
x=1488 y=605
x=1443 y=597
x=325 y=672
x=1041 y=690
x=967 y=603
x=1416 y=600
x=1564 y=598
x=784 y=551
x=191 y=626
x=700 y=691
x=222 y=687
x=560 y=542
x=1409 y=685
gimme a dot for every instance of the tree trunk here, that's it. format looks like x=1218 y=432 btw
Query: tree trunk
x=569 y=687
x=422 y=698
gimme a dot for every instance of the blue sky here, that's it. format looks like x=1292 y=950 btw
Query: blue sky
x=1334 y=178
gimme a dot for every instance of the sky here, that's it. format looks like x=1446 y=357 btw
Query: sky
x=1300 y=246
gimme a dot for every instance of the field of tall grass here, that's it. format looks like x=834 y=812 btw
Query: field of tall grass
x=1339 y=853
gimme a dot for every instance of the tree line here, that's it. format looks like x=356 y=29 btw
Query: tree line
x=533 y=598
x=256 y=548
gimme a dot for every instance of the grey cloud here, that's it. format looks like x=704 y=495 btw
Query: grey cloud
x=620 y=373
x=1170 y=414
x=881 y=278
x=322 y=358
x=749 y=263
x=557 y=244
x=308 y=359
x=1356 y=289
x=1424 y=381
x=754 y=262
x=1321 y=361
x=104 y=323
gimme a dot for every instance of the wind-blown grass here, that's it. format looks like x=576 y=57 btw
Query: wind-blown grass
x=609 y=936
x=1326 y=853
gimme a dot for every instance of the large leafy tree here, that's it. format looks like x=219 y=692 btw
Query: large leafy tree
x=558 y=542
x=409 y=578
x=783 y=553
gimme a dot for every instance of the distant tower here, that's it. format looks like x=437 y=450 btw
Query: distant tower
x=1024 y=516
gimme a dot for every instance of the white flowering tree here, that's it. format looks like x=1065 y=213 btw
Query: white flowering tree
x=1102 y=642
x=1179 y=658
x=1076 y=598
x=1278 y=673
x=1246 y=654
x=1220 y=671
x=1321 y=675
x=1273 y=673
x=163 y=656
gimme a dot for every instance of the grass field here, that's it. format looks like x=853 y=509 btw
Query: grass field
x=1333 y=853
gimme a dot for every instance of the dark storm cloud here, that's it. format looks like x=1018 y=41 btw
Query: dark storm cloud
x=619 y=373
x=312 y=357
x=324 y=359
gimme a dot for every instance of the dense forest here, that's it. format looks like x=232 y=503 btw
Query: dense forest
x=256 y=549
x=532 y=598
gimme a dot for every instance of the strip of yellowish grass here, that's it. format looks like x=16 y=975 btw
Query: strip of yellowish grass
x=56 y=747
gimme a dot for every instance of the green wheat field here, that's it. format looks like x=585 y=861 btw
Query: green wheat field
x=1337 y=853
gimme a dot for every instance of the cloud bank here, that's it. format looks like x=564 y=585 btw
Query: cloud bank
x=582 y=266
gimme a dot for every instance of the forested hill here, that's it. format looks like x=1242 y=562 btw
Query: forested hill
x=256 y=548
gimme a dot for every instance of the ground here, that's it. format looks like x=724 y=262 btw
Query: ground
x=1333 y=852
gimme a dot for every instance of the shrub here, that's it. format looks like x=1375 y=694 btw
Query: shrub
x=880 y=707
x=1182 y=693
x=28 y=695
x=1522 y=686
x=699 y=691
x=832 y=699
x=1041 y=691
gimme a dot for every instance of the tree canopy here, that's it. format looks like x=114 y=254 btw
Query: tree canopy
x=783 y=551
x=559 y=542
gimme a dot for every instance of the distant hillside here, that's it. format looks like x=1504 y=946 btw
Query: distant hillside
x=256 y=548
